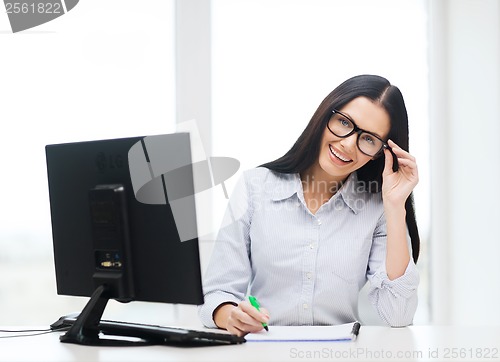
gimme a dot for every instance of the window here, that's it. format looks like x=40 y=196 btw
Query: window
x=104 y=70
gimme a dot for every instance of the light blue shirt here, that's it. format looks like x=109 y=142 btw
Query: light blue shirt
x=306 y=269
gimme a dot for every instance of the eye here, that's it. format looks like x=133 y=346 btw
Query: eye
x=345 y=123
x=368 y=138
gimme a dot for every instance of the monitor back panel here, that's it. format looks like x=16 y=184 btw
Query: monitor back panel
x=164 y=268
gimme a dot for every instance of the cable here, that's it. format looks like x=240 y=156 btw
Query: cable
x=29 y=332
x=23 y=330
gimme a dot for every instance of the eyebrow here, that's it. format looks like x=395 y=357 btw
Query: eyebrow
x=364 y=130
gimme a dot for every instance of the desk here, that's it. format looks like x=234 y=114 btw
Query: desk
x=416 y=343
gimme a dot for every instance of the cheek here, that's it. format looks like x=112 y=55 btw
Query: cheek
x=362 y=159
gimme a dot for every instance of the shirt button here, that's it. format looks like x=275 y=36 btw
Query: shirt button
x=305 y=306
x=311 y=246
x=309 y=275
x=318 y=222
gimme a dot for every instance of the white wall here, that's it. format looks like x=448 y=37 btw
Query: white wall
x=465 y=114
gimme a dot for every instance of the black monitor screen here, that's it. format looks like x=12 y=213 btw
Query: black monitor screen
x=103 y=234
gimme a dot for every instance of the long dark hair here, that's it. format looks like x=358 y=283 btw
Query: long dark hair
x=305 y=151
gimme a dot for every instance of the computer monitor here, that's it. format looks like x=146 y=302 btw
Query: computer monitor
x=108 y=244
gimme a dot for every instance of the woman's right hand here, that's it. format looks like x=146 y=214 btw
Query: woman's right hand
x=241 y=319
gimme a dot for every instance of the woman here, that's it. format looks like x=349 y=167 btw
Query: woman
x=314 y=225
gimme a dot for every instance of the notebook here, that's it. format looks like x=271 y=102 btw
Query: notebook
x=339 y=333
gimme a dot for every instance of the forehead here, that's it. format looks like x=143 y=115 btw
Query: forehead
x=368 y=115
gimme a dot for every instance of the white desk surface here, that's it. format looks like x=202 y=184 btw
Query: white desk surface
x=415 y=343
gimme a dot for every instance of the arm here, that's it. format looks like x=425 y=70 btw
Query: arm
x=392 y=272
x=395 y=300
x=229 y=271
x=397 y=187
x=398 y=254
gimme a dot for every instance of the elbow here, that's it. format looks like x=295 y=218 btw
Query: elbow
x=399 y=315
x=395 y=311
x=396 y=302
x=399 y=323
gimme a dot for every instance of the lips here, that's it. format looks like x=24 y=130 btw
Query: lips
x=339 y=156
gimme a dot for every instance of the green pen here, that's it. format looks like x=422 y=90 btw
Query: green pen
x=255 y=303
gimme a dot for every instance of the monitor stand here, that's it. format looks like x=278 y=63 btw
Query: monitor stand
x=86 y=329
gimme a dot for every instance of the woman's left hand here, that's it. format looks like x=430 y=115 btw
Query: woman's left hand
x=397 y=186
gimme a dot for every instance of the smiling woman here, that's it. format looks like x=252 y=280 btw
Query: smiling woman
x=361 y=226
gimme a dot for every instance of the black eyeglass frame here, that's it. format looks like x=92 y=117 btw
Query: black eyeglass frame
x=358 y=130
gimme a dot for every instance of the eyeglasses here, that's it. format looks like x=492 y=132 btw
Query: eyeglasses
x=343 y=126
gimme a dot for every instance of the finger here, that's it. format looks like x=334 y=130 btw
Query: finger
x=265 y=312
x=398 y=151
x=403 y=154
x=236 y=323
x=388 y=163
x=407 y=163
x=392 y=144
x=239 y=325
x=234 y=330
x=409 y=167
x=245 y=328
x=259 y=317
x=245 y=322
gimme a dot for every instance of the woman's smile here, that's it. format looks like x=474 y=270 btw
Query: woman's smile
x=338 y=157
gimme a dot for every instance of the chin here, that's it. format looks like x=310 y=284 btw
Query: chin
x=337 y=172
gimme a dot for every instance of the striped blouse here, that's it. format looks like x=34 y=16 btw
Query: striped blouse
x=305 y=269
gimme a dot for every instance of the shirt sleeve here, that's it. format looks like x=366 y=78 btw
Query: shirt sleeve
x=395 y=300
x=227 y=276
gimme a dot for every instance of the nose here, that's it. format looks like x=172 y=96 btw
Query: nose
x=349 y=143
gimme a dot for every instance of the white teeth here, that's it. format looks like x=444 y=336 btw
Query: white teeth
x=339 y=156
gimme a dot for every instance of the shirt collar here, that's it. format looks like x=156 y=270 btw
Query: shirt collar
x=290 y=184
x=287 y=185
x=350 y=193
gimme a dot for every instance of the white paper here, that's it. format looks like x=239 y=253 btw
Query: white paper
x=340 y=332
